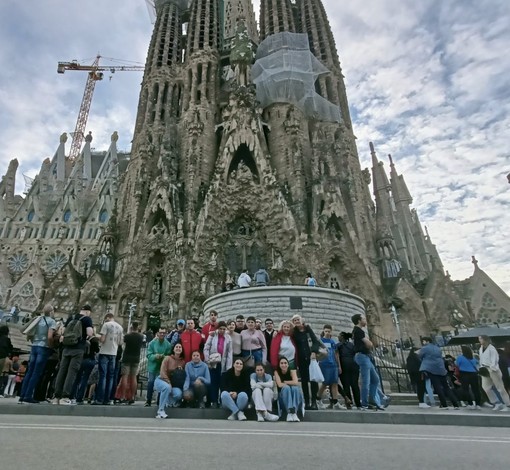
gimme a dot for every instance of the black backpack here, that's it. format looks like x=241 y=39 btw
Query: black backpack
x=73 y=332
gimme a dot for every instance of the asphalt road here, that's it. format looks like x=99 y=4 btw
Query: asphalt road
x=63 y=442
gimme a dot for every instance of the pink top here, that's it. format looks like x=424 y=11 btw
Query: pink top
x=252 y=340
x=221 y=344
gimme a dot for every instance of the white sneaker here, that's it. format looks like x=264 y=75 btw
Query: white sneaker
x=478 y=407
x=55 y=401
x=66 y=401
x=260 y=417
x=321 y=405
x=499 y=407
x=339 y=406
x=271 y=417
x=504 y=408
x=290 y=418
x=241 y=416
x=295 y=418
x=423 y=405
x=471 y=407
x=232 y=417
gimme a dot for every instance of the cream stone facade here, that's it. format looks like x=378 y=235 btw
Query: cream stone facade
x=217 y=182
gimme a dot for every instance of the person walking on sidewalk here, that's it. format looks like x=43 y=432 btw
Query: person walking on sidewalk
x=433 y=366
x=468 y=375
x=492 y=375
x=369 y=377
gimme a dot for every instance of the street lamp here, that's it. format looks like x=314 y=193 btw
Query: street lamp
x=456 y=320
x=132 y=309
x=395 y=317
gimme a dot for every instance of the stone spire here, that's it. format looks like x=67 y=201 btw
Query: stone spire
x=276 y=16
x=204 y=26
x=160 y=93
x=233 y=11
x=386 y=248
x=413 y=243
x=398 y=186
x=7 y=186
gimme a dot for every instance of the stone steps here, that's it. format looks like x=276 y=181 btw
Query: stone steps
x=403 y=415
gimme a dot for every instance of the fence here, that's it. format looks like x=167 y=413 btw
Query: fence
x=390 y=359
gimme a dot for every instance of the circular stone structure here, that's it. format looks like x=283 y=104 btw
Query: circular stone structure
x=318 y=306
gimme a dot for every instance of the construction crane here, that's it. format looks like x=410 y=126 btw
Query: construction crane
x=95 y=73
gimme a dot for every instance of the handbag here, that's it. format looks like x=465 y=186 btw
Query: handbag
x=315 y=372
x=249 y=361
x=484 y=371
x=214 y=358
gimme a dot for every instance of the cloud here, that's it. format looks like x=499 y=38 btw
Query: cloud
x=427 y=82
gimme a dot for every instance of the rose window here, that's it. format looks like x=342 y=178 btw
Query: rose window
x=55 y=262
x=18 y=263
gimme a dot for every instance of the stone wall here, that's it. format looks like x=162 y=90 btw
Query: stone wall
x=318 y=306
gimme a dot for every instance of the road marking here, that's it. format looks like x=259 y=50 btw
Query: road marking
x=238 y=431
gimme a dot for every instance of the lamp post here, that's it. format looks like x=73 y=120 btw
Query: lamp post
x=395 y=317
x=456 y=320
x=132 y=309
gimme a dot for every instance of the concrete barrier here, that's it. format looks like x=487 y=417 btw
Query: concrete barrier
x=317 y=305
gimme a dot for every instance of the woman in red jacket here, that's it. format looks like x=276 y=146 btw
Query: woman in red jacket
x=283 y=345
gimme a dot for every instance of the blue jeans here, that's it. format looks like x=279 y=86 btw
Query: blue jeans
x=82 y=379
x=430 y=392
x=369 y=379
x=168 y=395
x=239 y=404
x=289 y=397
x=106 y=363
x=39 y=355
x=150 y=385
x=256 y=353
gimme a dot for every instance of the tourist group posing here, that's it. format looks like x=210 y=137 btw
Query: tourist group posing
x=280 y=373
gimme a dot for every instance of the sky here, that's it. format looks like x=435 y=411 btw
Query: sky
x=427 y=81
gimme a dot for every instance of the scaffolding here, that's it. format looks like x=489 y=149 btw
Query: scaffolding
x=285 y=71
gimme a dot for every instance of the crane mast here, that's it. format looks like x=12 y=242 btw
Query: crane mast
x=95 y=73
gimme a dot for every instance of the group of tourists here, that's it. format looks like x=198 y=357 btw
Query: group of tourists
x=469 y=380
x=234 y=364
x=240 y=363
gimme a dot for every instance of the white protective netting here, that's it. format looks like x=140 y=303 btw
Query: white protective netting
x=285 y=71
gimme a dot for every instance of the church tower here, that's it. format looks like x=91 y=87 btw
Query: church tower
x=236 y=164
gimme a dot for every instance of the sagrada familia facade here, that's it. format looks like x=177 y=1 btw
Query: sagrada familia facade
x=243 y=156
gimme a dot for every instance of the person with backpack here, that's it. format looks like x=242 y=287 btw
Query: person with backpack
x=41 y=351
x=78 y=330
x=310 y=280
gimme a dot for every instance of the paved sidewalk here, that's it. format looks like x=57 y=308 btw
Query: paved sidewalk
x=394 y=414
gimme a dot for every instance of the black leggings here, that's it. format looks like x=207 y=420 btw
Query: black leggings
x=350 y=382
x=304 y=372
x=417 y=380
x=442 y=389
x=470 y=380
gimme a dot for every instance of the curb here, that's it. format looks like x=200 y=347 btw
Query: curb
x=390 y=416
